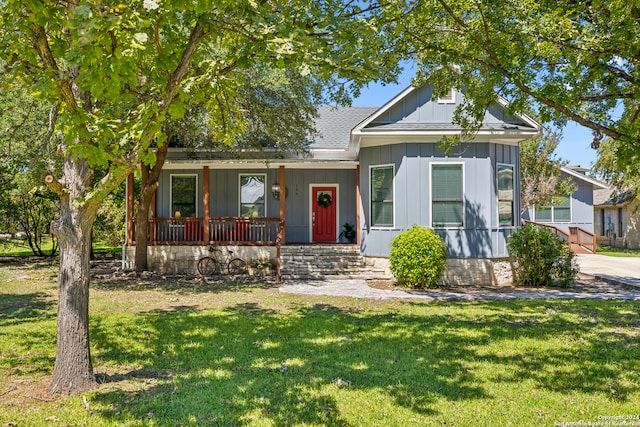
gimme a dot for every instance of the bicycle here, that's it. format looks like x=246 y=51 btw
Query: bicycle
x=214 y=264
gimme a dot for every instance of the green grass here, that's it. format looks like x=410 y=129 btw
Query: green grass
x=20 y=248
x=618 y=252
x=192 y=353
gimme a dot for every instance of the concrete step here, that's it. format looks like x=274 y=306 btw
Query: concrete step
x=322 y=261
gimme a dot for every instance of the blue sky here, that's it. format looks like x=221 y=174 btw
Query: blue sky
x=574 y=147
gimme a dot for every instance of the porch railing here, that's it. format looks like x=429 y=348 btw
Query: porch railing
x=222 y=230
x=583 y=238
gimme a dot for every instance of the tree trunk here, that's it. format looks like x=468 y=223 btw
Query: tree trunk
x=149 y=184
x=73 y=371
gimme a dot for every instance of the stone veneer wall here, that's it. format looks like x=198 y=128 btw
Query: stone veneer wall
x=464 y=272
x=184 y=259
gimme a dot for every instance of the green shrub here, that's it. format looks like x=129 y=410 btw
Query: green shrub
x=540 y=258
x=417 y=258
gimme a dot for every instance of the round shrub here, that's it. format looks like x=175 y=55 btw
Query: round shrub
x=417 y=258
x=540 y=258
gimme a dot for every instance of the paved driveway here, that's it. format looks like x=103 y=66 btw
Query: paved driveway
x=618 y=269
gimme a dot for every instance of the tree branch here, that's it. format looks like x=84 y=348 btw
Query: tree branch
x=55 y=185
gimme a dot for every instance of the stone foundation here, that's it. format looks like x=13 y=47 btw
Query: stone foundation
x=184 y=259
x=464 y=271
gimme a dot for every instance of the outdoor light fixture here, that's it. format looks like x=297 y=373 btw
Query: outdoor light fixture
x=275 y=190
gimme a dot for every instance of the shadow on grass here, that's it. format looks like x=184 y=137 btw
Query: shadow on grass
x=21 y=308
x=291 y=367
x=183 y=284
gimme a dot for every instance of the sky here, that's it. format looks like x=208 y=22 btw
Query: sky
x=574 y=147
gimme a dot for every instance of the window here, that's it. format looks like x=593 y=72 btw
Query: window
x=382 y=196
x=449 y=98
x=447 y=202
x=252 y=195
x=184 y=195
x=620 y=229
x=505 y=196
x=559 y=212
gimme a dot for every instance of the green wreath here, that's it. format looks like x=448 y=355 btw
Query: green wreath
x=324 y=200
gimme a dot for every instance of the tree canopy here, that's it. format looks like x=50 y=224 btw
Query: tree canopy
x=561 y=61
x=541 y=180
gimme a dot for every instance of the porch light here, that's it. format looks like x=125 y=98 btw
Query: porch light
x=275 y=190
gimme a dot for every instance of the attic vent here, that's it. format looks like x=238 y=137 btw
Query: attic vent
x=449 y=98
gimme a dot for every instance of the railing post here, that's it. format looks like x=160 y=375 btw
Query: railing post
x=205 y=203
x=278 y=251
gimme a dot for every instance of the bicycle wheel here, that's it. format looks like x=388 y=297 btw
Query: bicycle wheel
x=208 y=266
x=237 y=266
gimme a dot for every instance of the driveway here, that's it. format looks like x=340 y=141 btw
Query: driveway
x=624 y=270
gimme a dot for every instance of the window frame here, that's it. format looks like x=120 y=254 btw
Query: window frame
x=513 y=200
x=431 y=200
x=243 y=174
x=195 y=201
x=450 y=98
x=393 y=199
x=552 y=208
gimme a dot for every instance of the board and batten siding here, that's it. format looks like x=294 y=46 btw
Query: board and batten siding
x=224 y=195
x=480 y=236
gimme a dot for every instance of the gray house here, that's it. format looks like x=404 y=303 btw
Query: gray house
x=572 y=217
x=379 y=169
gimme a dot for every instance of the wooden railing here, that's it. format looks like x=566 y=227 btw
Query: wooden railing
x=583 y=238
x=222 y=230
x=576 y=236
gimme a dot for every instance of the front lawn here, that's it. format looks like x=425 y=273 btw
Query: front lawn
x=619 y=252
x=191 y=353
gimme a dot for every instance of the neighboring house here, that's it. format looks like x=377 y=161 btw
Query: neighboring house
x=377 y=168
x=575 y=210
x=617 y=218
x=572 y=217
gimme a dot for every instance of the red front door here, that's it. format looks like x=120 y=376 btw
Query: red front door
x=323 y=214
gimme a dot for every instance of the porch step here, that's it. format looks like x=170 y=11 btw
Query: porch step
x=322 y=261
x=577 y=249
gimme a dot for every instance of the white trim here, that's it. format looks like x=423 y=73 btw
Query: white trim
x=594 y=182
x=259 y=165
x=430 y=222
x=171 y=214
x=449 y=99
x=513 y=208
x=337 y=201
x=266 y=193
x=393 y=184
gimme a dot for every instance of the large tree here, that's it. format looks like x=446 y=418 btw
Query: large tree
x=118 y=72
x=564 y=60
x=541 y=180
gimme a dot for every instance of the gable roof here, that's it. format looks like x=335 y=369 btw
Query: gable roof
x=414 y=112
x=576 y=173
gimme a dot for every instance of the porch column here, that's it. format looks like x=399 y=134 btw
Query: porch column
x=358 y=204
x=283 y=204
x=130 y=199
x=205 y=202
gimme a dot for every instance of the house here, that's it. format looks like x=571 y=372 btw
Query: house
x=572 y=217
x=380 y=169
x=617 y=218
